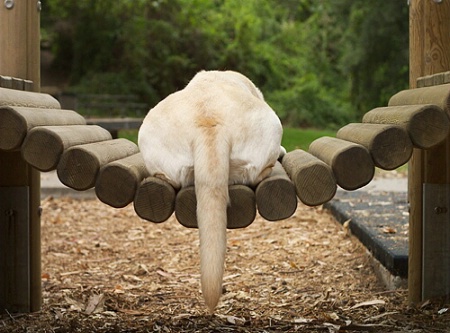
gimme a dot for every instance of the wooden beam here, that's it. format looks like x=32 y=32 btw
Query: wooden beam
x=389 y=145
x=351 y=163
x=438 y=95
x=275 y=196
x=429 y=37
x=313 y=179
x=154 y=200
x=118 y=181
x=426 y=124
x=19 y=57
x=79 y=166
x=16 y=121
x=27 y=99
x=44 y=145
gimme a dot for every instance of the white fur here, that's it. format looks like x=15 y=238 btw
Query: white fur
x=217 y=131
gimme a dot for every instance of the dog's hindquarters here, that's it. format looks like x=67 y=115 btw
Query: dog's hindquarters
x=220 y=127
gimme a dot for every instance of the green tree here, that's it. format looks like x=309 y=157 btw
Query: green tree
x=319 y=63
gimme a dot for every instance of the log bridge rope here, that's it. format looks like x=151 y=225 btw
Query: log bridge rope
x=86 y=156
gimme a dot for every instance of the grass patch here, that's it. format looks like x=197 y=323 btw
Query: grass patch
x=300 y=138
x=293 y=138
x=130 y=134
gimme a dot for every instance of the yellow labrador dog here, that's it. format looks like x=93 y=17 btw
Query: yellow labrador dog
x=217 y=131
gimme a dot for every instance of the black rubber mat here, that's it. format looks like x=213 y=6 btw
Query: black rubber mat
x=380 y=222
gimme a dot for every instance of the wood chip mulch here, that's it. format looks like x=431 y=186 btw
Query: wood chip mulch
x=105 y=270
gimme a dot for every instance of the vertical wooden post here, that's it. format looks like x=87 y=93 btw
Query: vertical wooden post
x=20 y=252
x=429 y=54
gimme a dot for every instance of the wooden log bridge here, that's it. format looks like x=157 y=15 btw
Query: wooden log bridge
x=86 y=156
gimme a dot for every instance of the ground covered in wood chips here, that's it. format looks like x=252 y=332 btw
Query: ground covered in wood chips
x=105 y=270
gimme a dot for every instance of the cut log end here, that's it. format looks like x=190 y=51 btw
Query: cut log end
x=154 y=200
x=427 y=124
x=315 y=184
x=275 y=196
x=389 y=145
x=116 y=186
x=313 y=179
x=44 y=145
x=240 y=213
x=351 y=163
x=79 y=165
x=13 y=129
x=78 y=169
x=118 y=181
x=430 y=128
x=353 y=168
x=42 y=150
x=391 y=149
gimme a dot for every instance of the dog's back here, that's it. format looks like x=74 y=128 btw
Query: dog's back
x=215 y=132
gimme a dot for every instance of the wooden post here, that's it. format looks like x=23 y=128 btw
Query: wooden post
x=429 y=53
x=20 y=288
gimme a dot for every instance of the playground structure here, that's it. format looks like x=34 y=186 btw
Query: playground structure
x=35 y=134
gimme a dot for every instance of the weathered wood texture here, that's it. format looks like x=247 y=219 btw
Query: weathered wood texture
x=436 y=241
x=434 y=79
x=79 y=165
x=118 y=181
x=14 y=219
x=429 y=37
x=20 y=57
x=240 y=213
x=313 y=179
x=435 y=95
x=351 y=163
x=6 y=82
x=154 y=200
x=44 y=145
x=10 y=97
x=16 y=121
x=275 y=196
x=15 y=83
x=427 y=125
x=389 y=145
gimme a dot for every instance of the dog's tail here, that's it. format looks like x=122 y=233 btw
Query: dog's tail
x=211 y=170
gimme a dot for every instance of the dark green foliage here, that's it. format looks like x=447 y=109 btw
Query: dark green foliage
x=319 y=63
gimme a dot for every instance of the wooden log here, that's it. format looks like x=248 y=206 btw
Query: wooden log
x=28 y=85
x=118 y=181
x=79 y=165
x=15 y=122
x=240 y=213
x=5 y=82
x=155 y=200
x=389 y=145
x=10 y=97
x=426 y=124
x=435 y=95
x=18 y=84
x=275 y=196
x=313 y=179
x=351 y=163
x=447 y=77
x=44 y=145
